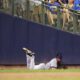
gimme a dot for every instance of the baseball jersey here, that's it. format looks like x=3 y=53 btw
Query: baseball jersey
x=52 y=63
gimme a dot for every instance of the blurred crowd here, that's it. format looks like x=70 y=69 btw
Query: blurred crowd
x=47 y=8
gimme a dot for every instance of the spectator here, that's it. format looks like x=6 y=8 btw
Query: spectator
x=5 y=4
x=36 y=10
x=77 y=9
x=76 y=5
x=20 y=7
x=52 y=11
x=18 y=10
x=67 y=18
x=1 y=4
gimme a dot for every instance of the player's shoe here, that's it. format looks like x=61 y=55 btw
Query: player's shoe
x=28 y=52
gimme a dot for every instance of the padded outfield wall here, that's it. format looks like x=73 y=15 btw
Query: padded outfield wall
x=16 y=33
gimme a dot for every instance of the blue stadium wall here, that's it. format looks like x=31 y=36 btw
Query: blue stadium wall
x=16 y=33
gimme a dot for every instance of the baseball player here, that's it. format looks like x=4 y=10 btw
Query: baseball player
x=31 y=61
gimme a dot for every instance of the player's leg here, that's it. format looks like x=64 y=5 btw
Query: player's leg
x=28 y=60
x=32 y=62
x=40 y=66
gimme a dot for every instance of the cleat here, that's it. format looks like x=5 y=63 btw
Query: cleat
x=28 y=52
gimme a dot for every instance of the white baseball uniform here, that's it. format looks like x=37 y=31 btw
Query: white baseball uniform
x=31 y=63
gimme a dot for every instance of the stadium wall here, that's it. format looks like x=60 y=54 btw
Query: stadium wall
x=16 y=33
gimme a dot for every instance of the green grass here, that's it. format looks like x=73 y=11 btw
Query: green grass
x=15 y=70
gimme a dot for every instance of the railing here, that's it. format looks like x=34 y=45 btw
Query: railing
x=65 y=19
